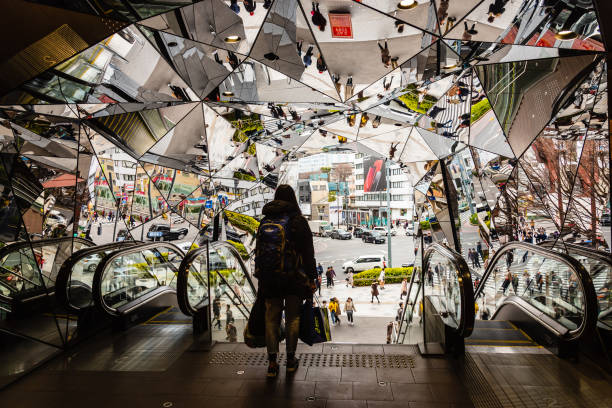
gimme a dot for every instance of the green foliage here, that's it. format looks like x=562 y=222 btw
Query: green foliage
x=425 y=225
x=252 y=150
x=474 y=219
x=479 y=109
x=325 y=169
x=244 y=254
x=243 y=222
x=411 y=100
x=392 y=275
x=243 y=176
x=331 y=196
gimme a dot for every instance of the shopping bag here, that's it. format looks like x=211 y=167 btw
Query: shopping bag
x=314 y=324
x=255 y=329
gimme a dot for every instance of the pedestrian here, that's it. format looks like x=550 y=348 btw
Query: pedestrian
x=374 y=292
x=317 y=18
x=515 y=283
x=381 y=279
x=509 y=258
x=390 y=331
x=506 y=282
x=231 y=332
x=321 y=66
x=217 y=313
x=319 y=269
x=249 y=5
x=333 y=311
x=400 y=312
x=348 y=89
x=319 y=283
x=470 y=258
x=229 y=315
x=525 y=256
x=404 y=290
x=479 y=249
x=385 y=56
x=351 y=282
x=434 y=111
x=308 y=56
x=349 y=308
x=284 y=246
x=476 y=258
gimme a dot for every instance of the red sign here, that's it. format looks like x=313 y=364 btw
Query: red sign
x=341 y=26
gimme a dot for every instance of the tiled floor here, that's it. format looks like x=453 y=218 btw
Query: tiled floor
x=192 y=381
x=154 y=367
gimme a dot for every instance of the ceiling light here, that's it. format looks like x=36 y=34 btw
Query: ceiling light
x=565 y=35
x=228 y=93
x=232 y=39
x=407 y=4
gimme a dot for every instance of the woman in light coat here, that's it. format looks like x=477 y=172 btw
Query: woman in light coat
x=349 y=308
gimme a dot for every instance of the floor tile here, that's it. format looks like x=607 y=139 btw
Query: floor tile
x=396 y=375
x=411 y=392
x=324 y=373
x=361 y=374
x=334 y=390
x=434 y=375
x=372 y=391
x=346 y=404
x=368 y=348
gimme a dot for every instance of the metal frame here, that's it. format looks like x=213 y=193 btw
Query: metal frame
x=468 y=314
x=65 y=273
x=183 y=274
x=97 y=280
x=584 y=278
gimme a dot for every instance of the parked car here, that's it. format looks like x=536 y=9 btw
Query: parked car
x=383 y=231
x=340 y=234
x=605 y=220
x=374 y=237
x=187 y=246
x=55 y=218
x=207 y=234
x=358 y=231
x=363 y=263
x=161 y=232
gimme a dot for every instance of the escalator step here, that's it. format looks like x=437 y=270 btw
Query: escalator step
x=498 y=324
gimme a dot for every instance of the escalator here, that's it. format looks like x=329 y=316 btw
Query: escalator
x=216 y=272
x=444 y=294
x=133 y=284
x=531 y=296
x=599 y=266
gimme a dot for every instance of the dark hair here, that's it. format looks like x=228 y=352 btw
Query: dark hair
x=285 y=192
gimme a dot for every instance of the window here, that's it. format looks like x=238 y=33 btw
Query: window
x=359 y=166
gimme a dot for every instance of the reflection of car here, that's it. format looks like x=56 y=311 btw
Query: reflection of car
x=363 y=263
x=340 y=234
x=123 y=235
x=161 y=232
x=463 y=206
x=605 y=220
x=207 y=233
x=55 y=218
x=176 y=219
x=374 y=237
x=357 y=232
x=383 y=231
x=186 y=246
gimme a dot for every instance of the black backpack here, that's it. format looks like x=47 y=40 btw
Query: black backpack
x=275 y=255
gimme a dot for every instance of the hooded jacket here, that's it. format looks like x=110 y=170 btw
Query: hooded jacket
x=302 y=240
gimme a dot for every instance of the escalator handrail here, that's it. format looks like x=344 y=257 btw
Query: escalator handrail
x=107 y=259
x=64 y=274
x=185 y=268
x=605 y=257
x=466 y=287
x=584 y=280
x=15 y=246
x=406 y=304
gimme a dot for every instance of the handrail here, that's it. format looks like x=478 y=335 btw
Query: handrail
x=584 y=280
x=185 y=268
x=408 y=292
x=65 y=272
x=12 y=247
x=107 y=259
x=466 y=323
x=583 y=251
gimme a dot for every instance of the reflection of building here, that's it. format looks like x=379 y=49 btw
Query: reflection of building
x=371 y=208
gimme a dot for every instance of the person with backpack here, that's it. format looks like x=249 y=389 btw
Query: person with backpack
x=285 y=267
x=515 y=283
x=506 y=282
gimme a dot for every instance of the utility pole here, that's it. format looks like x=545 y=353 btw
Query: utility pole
x=387 y=171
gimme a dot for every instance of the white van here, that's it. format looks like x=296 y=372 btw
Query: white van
x=363 y=263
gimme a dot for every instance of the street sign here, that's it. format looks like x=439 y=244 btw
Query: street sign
x=341 y=26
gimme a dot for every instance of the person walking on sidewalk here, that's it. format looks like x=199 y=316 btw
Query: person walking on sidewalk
x=381 y=279
x=217 y=313
x=374 y=292
x=349 y=308
x=385 y=56
x=404 y=291
x=334 y=308
x=285 y=267
x=350 y=278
